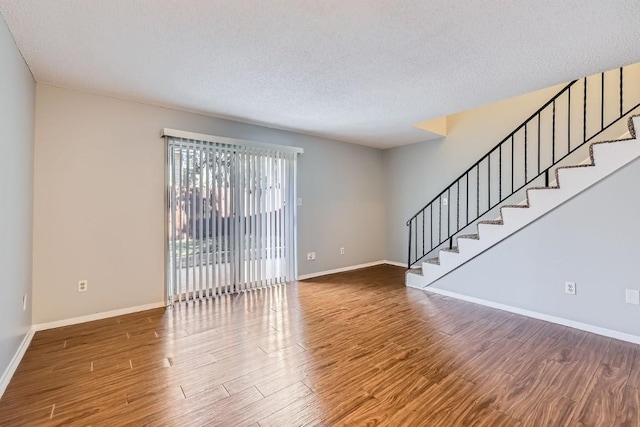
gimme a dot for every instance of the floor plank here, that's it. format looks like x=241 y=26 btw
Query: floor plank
x=355 y=348
x=604 y=399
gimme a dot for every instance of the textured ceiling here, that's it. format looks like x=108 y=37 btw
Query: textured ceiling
x=362 y=71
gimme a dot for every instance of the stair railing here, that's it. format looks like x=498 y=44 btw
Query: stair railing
x=579 y=112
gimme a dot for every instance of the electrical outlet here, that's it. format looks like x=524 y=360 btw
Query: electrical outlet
x=299 y=201
x=445 y=201
x=24 y=302
x=311 y=256
x=570 y=287
x=83 y=286
x=632 y=296
x=341 y=251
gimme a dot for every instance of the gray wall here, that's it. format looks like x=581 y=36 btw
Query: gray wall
x=591 y=240
x=99 y=208
x=17 y=110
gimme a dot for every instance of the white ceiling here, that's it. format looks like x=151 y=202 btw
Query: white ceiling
x=362 y=71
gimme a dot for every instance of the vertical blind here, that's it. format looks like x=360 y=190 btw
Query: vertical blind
x=231 y=216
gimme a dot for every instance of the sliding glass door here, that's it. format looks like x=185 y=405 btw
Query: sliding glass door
x=231 y=218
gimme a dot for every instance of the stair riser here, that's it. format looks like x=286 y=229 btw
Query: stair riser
x=446 y=257
x=577 y=179
x=469 y=245
x=415 y=280
x=509 y=215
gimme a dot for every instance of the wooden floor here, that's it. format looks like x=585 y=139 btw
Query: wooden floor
x=355 y=348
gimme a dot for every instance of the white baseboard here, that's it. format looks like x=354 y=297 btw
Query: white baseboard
x=15 y=361
x=97 y=316
x=541 y=316
x=397 y=264
x=349 y=268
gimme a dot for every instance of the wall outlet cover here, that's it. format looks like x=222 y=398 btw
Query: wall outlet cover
x=570 y=288
x=83 y=286
x=311 y=256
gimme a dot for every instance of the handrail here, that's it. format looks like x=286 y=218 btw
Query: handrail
x=559 y=110
x=556 y=96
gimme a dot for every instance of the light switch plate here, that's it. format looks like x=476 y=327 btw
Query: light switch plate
x=632 y=296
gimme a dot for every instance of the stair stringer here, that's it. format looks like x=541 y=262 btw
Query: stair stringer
x=606 y=158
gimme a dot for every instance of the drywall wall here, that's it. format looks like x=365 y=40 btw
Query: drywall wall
x=99 y=200
x=591 y=240
x=17 y=111
x=415 y=174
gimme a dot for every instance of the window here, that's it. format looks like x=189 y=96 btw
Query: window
x=231 y=215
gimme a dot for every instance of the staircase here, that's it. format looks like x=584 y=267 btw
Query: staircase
x=512 y=185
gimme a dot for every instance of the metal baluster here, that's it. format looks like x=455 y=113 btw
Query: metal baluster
x=584 y=113
x=500 y=174
x=449 y=210
x=512 y=163
x=602 y=101
x=489 y=181
x=458 y=206
x=546 y=178
x=409 y=254
x=439 y=220
x=467 y=188
x=553 y=135
x=569 y=122
x=538 y=143
x=525 y=154
x=416 y=236
x=423 y=233
x=431 y=225
x=621 y=107
x=478 y=191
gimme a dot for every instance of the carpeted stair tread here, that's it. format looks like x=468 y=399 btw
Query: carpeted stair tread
x=469 y=236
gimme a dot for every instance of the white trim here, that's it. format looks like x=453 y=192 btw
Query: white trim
x=231 y=141
x=541 y=316
x=15 y=360
x=397 y=264
x=340 y=270
x=97 y=316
